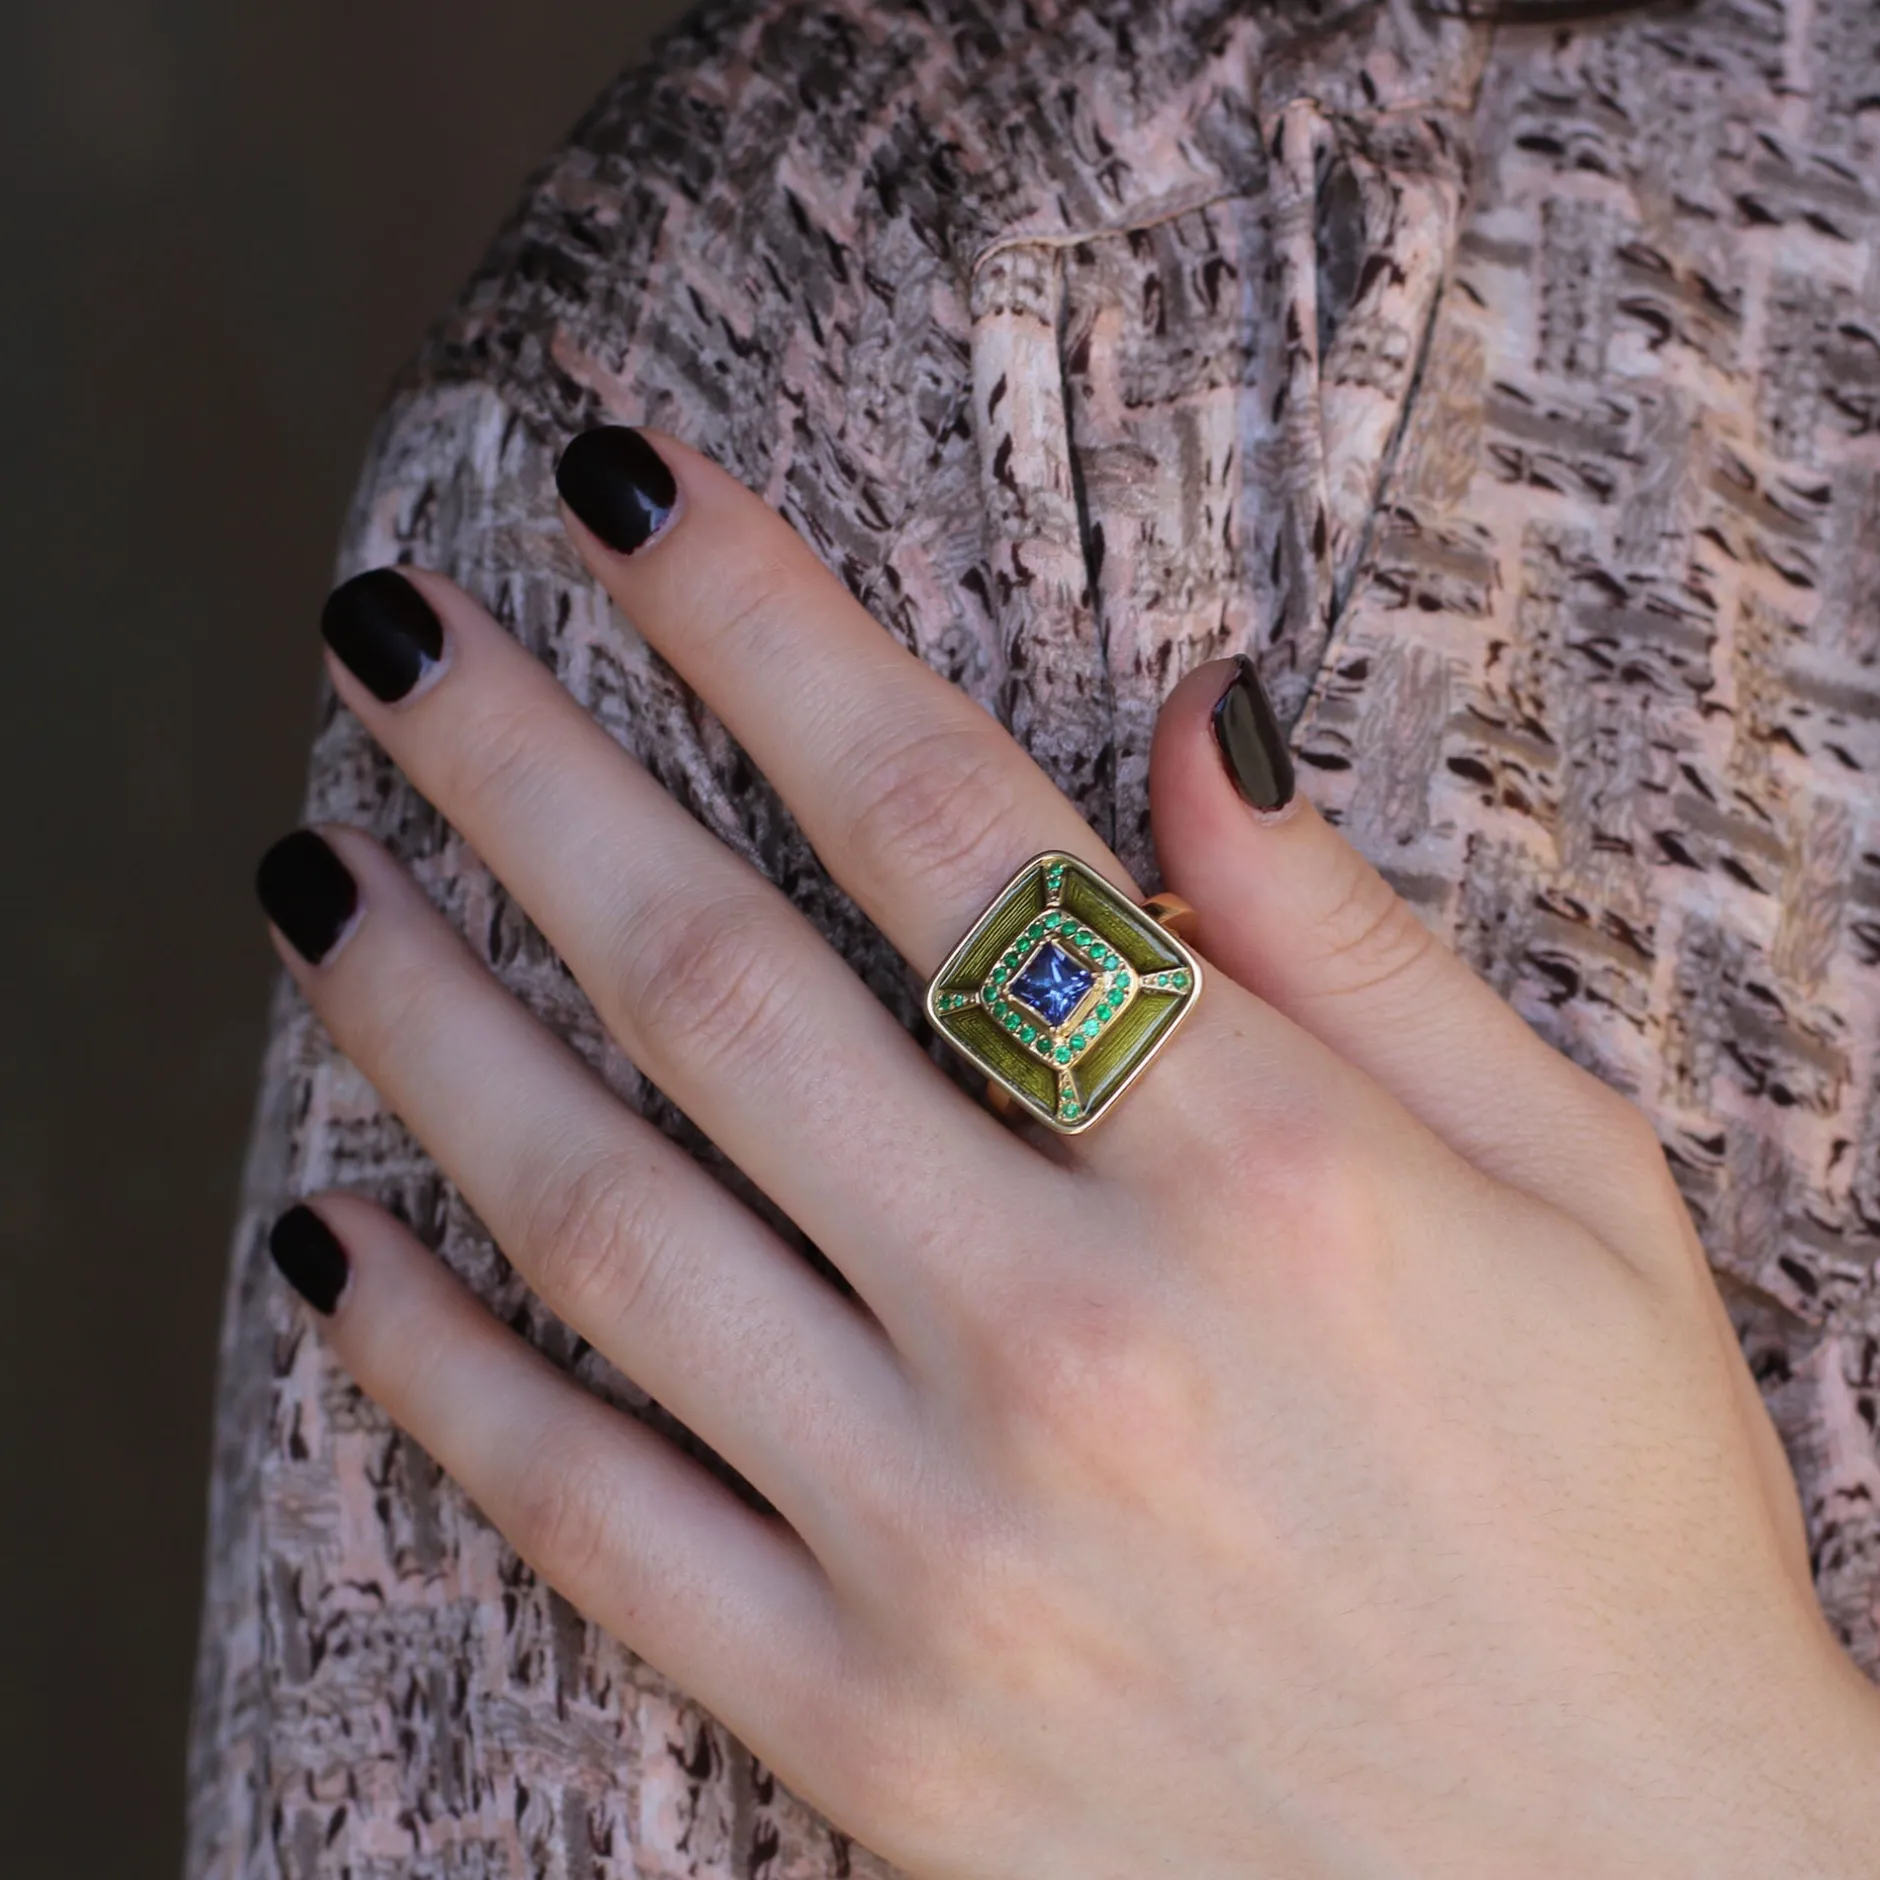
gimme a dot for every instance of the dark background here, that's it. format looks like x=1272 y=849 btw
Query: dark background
x=222 y=226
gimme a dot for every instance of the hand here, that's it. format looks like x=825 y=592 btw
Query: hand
x=1336 y=1463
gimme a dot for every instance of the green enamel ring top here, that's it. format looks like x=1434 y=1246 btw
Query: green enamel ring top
x=1062 y=991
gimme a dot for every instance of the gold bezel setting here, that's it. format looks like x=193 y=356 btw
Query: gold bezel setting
x=1068 y=1069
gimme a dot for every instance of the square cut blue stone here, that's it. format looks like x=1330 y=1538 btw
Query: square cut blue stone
x=1052 y=984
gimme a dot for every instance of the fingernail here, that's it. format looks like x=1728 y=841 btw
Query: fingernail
x=310 y=1258
x=383 y=631
x=618 y=484
x=1251 y=741
x=308 y=893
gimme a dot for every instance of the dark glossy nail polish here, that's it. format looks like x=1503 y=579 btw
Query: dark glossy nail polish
x=308 y=892
x=1251 y=741
x=618 y=484
x=310 y=1258
x=384 y=632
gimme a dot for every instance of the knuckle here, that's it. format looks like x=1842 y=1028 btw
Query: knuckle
x=1094 y=1369
x=939 y=1547
x=747 y=598
x=1591 y=1124
x=904 y=1784
x=1635 y=1138
x=1369 y=936
x=500 y=758
x=403 y=999
x=1292 y=1174
x=708 y=980
x=934 y=808
x=595 y=1235
x=561 y=1514
x=1637 y=1173
x=1294 y=1202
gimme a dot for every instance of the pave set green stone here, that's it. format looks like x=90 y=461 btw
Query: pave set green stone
x=1058 y=956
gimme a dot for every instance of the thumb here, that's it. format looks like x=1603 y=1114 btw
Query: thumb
x=1290 y=909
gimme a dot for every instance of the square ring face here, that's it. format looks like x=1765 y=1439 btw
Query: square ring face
x=1063 y=991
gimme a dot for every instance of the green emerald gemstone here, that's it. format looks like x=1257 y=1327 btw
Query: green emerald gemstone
x=1181 y=982
x=998 y=972
x=1028 y=1032
x=1079 y=1041
x=1010 y=1021
x=1105 y=1009
x=1062 y=1054
x=1090 y=1029
x=1053 y=920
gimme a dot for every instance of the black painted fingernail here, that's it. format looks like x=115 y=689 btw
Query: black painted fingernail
x=310 y=1258
x=308 y=893
x=384 y=632
x=618 y=484
x=1251 y=740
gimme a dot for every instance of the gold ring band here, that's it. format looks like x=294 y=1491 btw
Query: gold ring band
x=1172 y=912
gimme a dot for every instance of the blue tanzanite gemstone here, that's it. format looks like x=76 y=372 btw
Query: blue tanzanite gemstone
x=1053 y=984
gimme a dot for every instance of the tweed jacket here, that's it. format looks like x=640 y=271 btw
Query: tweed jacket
x=1512 y=396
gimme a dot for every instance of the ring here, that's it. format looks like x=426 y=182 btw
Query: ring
x=1064 y=989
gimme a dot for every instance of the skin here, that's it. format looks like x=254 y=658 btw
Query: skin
x=1358 y=1481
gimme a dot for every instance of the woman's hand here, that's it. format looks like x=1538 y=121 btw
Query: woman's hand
x=1335 y=1463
